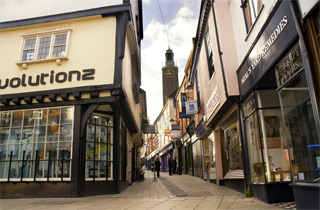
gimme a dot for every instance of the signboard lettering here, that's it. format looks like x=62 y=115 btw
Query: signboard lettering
x=280 y=31
x=283 y=23
x=43 y=79
x=289 y=65
x=213 y=102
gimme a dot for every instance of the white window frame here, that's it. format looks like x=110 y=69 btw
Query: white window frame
x=37 y=36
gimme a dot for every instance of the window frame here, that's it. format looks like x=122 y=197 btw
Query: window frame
x=256 y=13
x=55 y=161
x=108 y=143
x=52 y=34
x=211 y=69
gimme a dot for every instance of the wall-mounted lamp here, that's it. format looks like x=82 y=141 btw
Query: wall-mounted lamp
x=189 y=86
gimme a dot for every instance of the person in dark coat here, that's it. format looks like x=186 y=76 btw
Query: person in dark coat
x=170 y=165
x=174 y=165
x=157 y=166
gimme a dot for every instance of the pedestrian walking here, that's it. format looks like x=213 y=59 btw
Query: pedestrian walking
x=170 y=165
x=174 y=165
x=157 y=166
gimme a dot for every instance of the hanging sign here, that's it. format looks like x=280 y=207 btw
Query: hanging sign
x=192 y=107
x=183 y=113
x=175 y=134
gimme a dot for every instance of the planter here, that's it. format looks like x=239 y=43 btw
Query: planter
x=306 y=195
x=274 y=192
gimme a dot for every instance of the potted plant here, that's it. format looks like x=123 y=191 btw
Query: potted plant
x=258 y=170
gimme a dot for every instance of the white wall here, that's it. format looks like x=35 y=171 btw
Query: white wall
x=306 y=6
x=19 y=9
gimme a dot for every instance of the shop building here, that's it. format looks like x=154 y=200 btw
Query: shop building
x=279 y=108
x=212 y=79
x=70 y=119
x=166 y=145
x=188 y=157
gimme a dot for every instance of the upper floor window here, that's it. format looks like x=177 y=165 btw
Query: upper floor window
x=44 y=46
x=209 y=53
x=251 y=9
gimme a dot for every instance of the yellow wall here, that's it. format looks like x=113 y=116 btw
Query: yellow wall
x=128 y=79
x=91 y=45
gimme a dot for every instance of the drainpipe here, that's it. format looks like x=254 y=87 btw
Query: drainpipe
x=220 y=53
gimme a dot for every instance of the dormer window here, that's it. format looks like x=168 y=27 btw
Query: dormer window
x=44 y=46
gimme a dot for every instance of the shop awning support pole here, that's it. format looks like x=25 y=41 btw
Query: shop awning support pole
x=265 y=143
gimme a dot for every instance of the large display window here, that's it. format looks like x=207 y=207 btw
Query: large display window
x=36 y=144
x=267 y=146
x=209 y=157
x=233 y=151
x=301 y=132
x=99 y=147
x=300 y=125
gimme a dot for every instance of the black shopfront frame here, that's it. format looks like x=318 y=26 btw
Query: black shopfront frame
x=257 y=63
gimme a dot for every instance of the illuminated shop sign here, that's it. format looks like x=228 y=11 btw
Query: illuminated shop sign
x=44 y=78
x=276 y=37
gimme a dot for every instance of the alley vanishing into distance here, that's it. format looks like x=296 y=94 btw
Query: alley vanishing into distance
x=167 y=192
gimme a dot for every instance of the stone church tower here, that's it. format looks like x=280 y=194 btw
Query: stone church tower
x=170 y=83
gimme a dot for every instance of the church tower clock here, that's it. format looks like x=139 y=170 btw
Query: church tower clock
x=170 y=83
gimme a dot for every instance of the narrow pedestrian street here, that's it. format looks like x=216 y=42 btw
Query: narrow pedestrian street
x=167 y=192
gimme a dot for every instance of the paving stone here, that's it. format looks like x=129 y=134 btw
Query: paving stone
x=151 y=194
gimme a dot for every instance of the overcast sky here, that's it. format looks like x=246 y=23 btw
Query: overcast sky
x=181 y=18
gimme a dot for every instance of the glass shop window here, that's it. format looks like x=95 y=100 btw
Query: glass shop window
x=300 y=126
x=209 y=156
x=267 y=145
x=99 y=147
x=233 y=151
x=36 y=144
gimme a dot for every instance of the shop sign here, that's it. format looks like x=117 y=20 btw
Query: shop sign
x=192 y=107
x=183 y=114
x=200 y=130
x=279 y=33
x=175 y=134
x=153 y=153
x=44 y=78
x=213 y=102
x=166 y=149
x=289 y=65
x=167 y=132
x=148 y=146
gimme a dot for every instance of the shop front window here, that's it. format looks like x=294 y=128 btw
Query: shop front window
x=36 y=144
x=267 y=145
x=99 y=147
x=209 y=156
x=233 y=151
x=300 y=127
